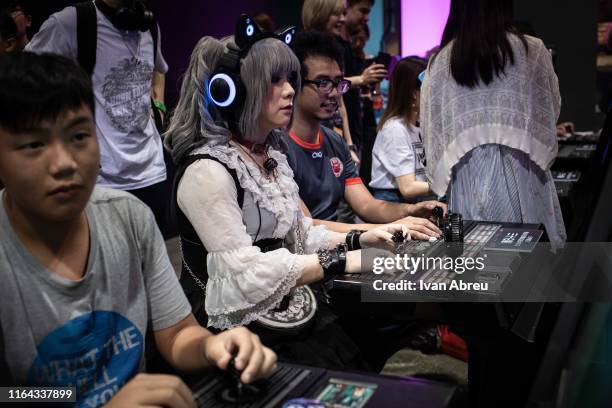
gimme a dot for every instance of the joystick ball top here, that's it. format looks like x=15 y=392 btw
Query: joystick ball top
x=398 y=237
x=437 y=212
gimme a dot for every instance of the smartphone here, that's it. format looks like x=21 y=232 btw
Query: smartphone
x=383 y=58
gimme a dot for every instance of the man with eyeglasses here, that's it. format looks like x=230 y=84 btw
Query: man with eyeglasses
x=325 y=173
x=321 y=160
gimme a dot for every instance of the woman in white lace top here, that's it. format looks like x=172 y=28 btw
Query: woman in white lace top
x=489 y=104
x=253 y=252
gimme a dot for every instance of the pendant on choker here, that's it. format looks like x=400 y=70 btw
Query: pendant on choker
x=270 y=164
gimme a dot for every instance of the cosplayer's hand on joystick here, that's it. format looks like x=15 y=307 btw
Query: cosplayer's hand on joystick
x=238 y=392
x=398 y=237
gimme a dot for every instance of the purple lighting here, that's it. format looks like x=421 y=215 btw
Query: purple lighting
x=422 y=25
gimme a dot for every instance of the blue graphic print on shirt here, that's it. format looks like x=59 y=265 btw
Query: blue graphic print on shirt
x=97 y=353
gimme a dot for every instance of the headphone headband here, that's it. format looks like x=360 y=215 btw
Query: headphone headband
x=132 y=15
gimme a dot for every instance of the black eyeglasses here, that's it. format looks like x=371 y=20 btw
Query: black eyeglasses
x=326 y=85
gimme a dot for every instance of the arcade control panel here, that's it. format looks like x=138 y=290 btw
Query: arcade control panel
x=565 y=181
x=299 y=386
x=575 y=153
x=503 y=245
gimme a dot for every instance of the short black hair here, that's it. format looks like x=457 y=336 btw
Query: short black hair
x=351 y=3
x=316 y=44
x=35 y=88
x=8 y=28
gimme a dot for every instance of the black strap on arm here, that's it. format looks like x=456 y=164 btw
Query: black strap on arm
x=153 y=31
x=87 y=35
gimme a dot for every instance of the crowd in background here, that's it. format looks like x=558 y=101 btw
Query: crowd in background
x=268 y=191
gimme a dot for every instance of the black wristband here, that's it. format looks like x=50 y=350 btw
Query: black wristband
x=352 y=239
x=333 y=261
x=342 y=250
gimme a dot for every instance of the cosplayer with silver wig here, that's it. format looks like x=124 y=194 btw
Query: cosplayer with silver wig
x=248 y=251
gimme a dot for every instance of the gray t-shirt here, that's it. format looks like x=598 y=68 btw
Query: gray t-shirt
x=88 y=333
x=131 y=151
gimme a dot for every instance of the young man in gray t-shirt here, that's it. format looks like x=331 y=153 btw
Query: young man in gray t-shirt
x=84 y=270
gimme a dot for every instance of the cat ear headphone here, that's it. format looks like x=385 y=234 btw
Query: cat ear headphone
x=225 y=89
x=133 y=15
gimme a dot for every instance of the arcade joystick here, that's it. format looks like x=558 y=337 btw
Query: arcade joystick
x=236 y=391
x=438 y=213
x=453 y=227
x=398 y=237
x=453 y=234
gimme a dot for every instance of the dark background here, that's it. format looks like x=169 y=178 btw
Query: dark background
x=184 y=22
x=569 y=25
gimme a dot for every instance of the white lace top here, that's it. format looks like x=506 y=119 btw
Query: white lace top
x=518 y=110
x=244 y=283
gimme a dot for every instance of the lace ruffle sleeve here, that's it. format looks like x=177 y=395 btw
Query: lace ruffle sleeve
x=243 y=282
x=315 y=236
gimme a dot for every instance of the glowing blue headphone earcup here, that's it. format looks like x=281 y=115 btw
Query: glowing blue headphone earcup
x=222 y=90
x=250 y=30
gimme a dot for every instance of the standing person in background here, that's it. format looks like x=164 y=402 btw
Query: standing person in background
x=8 y=33
x=359 y=35
x=398 y=164
x=128 y=73
x=330 y=16
x=23 y=21
x=358 y=13
x=361 y=115
x=8 y=43
x=8 y=40
x=488 y=116
x=488 y=119
x=264 y=21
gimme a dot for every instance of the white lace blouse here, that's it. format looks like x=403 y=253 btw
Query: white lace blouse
x=244 y=282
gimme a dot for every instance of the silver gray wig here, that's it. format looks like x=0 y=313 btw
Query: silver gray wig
x=192 y=125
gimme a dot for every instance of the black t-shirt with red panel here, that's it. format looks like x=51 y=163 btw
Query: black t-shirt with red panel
x=321 y=170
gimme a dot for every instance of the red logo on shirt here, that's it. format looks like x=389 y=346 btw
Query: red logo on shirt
x=336 y=166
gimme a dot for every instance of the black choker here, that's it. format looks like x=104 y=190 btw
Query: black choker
x=269 y=165
x=257 y=148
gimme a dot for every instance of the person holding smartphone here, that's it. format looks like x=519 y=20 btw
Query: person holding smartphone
x=331 y=16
